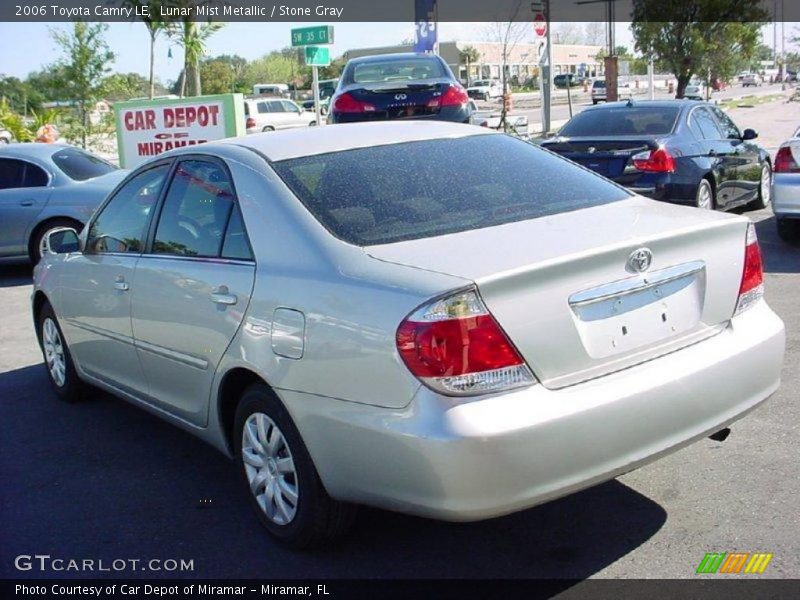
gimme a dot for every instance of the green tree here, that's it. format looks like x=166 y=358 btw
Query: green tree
x=19 y=95
x=469 y=55
x=49 y=83
x=124 y=86
x=275 y=67
x=698 y=36
x=155 y=26
x=86 y=60
x=217 y=76
x=193 y=37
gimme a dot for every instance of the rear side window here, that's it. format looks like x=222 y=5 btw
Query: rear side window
x=80 y=166
x=20 y=174
x=729 y=128
x=396 y=70
x=704 y=125
x=386 y=194
x=196 y=211
x=121 y=224
x=622 y=120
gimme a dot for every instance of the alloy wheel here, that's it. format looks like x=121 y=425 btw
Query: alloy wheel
x=54 y=352
x=766 y=185
x=270 y=468
x=704 y=198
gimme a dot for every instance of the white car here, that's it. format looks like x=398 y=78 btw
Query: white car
x=485 y=89
x=695 y=90
x=272 y=114
x=786 y=189
x=599 y=93
x=5 y=136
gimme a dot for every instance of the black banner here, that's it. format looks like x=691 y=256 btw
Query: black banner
x=595 y=589
x=333 y=11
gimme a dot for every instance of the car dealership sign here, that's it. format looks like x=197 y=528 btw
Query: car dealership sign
x=147 y=128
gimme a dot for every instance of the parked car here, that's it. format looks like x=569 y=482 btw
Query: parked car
x=598 y=92
x=786 y=189
x=5 y=136
x=560 y=81
x=695 y=90
x=358 y=319
x=308 y=105
x=271 y=89
x=398 y=86
x=751 y=80
x=485 y=89
x=44 y=187
x=674 y=150
x=271 y=114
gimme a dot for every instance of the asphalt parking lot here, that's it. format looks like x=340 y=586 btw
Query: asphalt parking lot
x=104 y=480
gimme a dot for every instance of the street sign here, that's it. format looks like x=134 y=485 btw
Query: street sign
x=310 y=36
x=539 y=24
x=318 y=56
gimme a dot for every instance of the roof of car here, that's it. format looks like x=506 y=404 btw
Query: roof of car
x=308 y=141
x=385 y=57
x=646 y=103
x=32 y=150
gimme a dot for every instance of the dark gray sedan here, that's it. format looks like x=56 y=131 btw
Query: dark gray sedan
x=46 y=186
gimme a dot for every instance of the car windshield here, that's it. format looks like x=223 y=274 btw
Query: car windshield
x=481 y=82
x=79 y=165
x=599 y=84
x=395 y=69
x=397 y=192
x=622 y=120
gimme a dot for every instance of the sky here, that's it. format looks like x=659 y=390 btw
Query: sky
x=27 y=47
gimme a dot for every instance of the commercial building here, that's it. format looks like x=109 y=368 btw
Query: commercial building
x=522 y=59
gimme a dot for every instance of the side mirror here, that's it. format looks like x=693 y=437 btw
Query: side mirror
x=749 y=134
x=62 y=240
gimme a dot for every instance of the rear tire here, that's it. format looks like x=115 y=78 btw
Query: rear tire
x=594 y=102
x=279 y=476
x=57 y=358
x=35 y=248
x=704 y=198
x=764 y=189
x=267 y=129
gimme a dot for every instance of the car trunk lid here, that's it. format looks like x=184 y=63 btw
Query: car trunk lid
x=608 y=157
x=396 y=100
x=566 y=291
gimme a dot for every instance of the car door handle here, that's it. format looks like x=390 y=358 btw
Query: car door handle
x=121 y=284
x=221 y=295
x=26 y=202
x=712 y=153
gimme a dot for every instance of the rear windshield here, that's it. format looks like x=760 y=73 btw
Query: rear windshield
x=599 y=84
x=79 y=165
x=386 y=194
x=622 y=120
x=404 y=69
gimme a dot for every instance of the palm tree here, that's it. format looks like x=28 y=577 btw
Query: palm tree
x=469 y=55
x=154 y=26
x=193 y=37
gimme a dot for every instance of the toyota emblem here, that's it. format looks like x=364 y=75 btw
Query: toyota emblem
x=640 y=260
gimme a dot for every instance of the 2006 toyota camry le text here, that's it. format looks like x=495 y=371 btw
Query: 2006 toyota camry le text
x=356 y=321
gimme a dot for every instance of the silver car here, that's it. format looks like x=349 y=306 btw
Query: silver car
x=45 y=187
x=356 y=318
x=786 y=189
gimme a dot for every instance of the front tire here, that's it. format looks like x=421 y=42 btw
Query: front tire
x=279 y=476
x=57 y=358
x=704 y=198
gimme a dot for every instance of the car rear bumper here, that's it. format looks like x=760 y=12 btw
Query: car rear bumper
x=786 y=194
x=471 y=459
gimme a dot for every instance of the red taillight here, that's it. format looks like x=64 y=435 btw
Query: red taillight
x=454 y=96
x=455 y=346
x=785 y=162
x=250 y=123
x=654 y=161
x=345 y=103
x=751 y=288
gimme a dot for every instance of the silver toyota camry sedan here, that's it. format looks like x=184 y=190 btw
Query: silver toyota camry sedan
x=356 y=316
